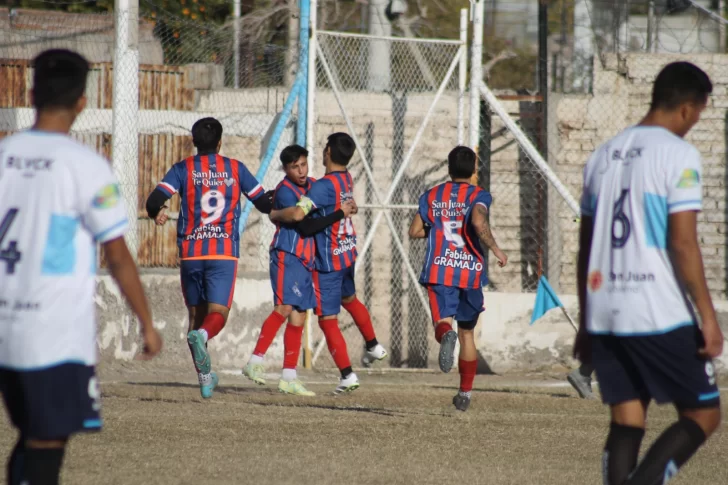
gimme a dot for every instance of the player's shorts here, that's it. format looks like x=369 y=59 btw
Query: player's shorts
x=208 y=281
x=52 y=403
x=292 y=282
x=464 y=304
x=331 y=288
x=663 y=367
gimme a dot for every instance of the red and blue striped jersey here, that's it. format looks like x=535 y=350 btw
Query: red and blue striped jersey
x=336 y=245
x=454 y=256
x=286 y=238
x=210 y=188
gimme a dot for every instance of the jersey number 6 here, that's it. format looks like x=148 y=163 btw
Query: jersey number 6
x=214 y=212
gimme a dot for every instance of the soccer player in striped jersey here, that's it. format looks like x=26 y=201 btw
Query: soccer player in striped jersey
x=335 y=258
x=639 y=268
x=207 y=235
x=291 y=269
x=453 y=216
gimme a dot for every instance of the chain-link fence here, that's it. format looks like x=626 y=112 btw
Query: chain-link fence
x=399 y=98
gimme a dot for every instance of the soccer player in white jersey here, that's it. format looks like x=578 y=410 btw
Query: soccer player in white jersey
x=59 y=199
x=639 y=261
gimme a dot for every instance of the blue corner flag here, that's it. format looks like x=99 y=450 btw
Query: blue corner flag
x=546 y=299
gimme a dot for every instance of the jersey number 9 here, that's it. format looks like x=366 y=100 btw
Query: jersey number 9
x=213 y=204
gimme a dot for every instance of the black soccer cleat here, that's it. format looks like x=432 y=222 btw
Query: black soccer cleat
x=446 y=358
x=461 y=402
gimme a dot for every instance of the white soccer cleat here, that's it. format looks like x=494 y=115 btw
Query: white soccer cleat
x=351 y=383
x=378 y=352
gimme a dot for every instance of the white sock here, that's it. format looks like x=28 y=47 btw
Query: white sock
x=289 y=375
x=203 y=332
x=465 y=394
x=205 y=379
x=256 y=359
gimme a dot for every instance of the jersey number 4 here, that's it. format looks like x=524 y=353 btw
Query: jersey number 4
x=10 y=254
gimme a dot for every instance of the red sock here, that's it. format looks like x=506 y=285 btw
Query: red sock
x=291 y=346
x=268 y=332
x=336 y=343
x=467 y=370
x=361 y=317
x=212 y=324
x=441 y=329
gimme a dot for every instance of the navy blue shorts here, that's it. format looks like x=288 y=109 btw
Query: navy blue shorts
x=52 y=403
x=292 y=282
x=464 y=304
x=208 y=281
x=331 y=288
x=664 y=367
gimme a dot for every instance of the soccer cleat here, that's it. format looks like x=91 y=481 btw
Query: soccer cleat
x=199 y=352
x=378 y=352
x=254 y=372
x=581 y=383
x=446 y=359
x=351 y=383
x=294 y=387
x=208 y=383
x=461 y=401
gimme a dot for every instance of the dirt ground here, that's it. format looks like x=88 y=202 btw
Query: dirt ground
x=398 y=428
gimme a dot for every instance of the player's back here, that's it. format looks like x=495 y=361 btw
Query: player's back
x=210 y=187
x=287 y=238
x=58 y=199
x=454 y=256
x=631 y=185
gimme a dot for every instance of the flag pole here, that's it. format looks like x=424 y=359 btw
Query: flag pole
x=571 y=321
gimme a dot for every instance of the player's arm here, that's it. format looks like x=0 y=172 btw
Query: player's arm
x=417 y=228
x=586 y=231
x=124 y=271
x=251 y=188
x=321 y=194
x=156 y=202
x=310 y=225
x=482 y=228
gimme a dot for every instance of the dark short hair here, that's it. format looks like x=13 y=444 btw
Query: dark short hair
x=292 y=153
x=206 y=134
x=59 y=79
x=342 y=148
x=679 y=83
x=461 y=162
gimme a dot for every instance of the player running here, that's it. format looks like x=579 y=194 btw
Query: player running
x=453 y=216
x=639 y=260
x=291 y=267
x=59 y=199
x=207 y=235
x=335 y=258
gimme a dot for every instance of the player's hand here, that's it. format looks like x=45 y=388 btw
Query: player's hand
x=152 y=344
x=501 y=257
x=582 y=347
x=356 y=207
x=161 y=217
x=713 y=337
x=349 y=208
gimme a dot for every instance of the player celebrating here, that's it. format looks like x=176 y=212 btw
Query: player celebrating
x=58 y=200
x=291 y=266
x=335 y=258
x=453 y=216
x=207 y=236
x=639 y=259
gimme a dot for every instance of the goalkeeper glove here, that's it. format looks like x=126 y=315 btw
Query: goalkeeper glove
x=306 y=204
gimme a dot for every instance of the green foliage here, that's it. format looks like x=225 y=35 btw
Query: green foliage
x=78 y=6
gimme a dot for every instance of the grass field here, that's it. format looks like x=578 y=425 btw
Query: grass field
x=399 y=428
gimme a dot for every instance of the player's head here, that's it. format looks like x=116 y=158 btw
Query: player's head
x=295 y=163
x=461 y=163
x=681 y=91
x=59 y=81
x=207 y=135
x=339 y=149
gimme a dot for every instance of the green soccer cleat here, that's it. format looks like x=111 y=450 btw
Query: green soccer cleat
x=199 y=352
x=295 y=387
x=254 y=372
x=208 y=383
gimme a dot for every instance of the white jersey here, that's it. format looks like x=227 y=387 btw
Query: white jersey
x=57 y=200
x=631 y=184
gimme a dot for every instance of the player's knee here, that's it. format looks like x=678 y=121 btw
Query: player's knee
x=708 y=418
x=284 y=310
x=46 y=444
x=348 y=299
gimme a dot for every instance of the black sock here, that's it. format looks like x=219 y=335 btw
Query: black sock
x=346 y=371
x=620 y=453
x=16 y=465
x=671 y=450
x=372 y=343
x=43 y=465
x=586 y=370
